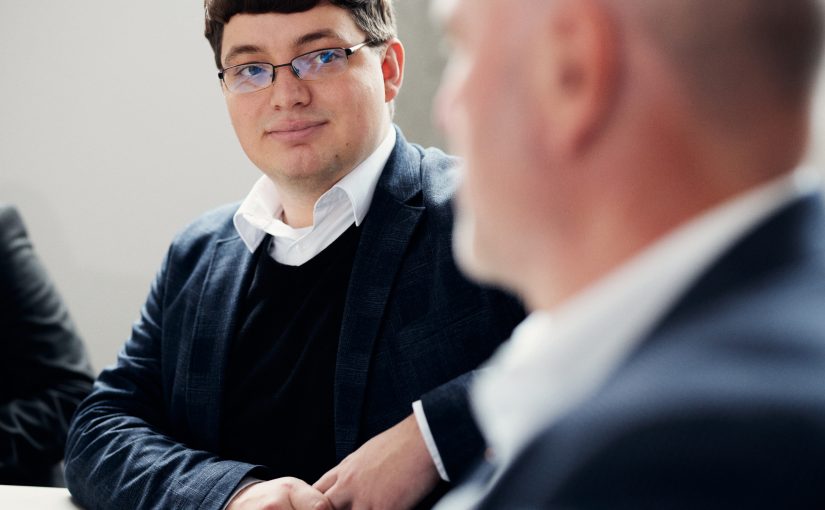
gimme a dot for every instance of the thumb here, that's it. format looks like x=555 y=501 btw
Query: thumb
x=326 y=481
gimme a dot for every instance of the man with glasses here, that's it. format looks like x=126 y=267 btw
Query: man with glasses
x=656 y=224
x=319 y=333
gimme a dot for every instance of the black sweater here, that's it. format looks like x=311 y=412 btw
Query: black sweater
x=279 y=392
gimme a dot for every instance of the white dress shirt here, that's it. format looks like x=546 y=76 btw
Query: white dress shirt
x=556 y=359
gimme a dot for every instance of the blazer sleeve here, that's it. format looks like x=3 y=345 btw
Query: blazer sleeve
x=45 y=371
x=452 y=424
x=453 y=428
x=121 y=452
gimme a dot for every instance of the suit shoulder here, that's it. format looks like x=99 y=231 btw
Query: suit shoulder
x=439 y=175
x=209 y=227
x=11 y=225
x=8 y=212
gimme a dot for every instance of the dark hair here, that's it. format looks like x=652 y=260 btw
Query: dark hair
x=375 y=17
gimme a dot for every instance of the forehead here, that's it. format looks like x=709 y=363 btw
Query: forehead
x=290 y=32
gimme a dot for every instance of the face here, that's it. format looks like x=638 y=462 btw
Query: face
x=485 y=108
x=306 y=135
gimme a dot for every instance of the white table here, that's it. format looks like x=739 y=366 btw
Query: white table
x=16 y=497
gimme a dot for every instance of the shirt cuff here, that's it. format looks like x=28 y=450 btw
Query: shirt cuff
x=424 y=427
x=243 y=484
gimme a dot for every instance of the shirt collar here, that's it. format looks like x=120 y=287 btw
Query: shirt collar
x=260 y=212
x=359 y=185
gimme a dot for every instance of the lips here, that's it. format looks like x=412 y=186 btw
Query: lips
x=295 y=130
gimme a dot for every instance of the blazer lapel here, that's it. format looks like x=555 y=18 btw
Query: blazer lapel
x=386 y=233
x=784 y=241
x=217 y=314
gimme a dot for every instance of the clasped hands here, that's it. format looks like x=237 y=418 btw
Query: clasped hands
x=393 y=470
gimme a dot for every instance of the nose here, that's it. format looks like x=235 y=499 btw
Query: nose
x=288 y=91
x=443 y=104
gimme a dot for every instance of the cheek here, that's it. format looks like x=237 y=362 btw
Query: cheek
x=500 y=180
x=452 y=105
x=485 y=116
x=243 y=119
x=474 y=129
x=358 y=104
x=361 y=84
x=477 y=233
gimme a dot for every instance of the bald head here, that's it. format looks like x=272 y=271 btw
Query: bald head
x=622 y=119
x=737 y=50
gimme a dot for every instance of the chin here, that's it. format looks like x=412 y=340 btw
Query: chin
x=295 y=171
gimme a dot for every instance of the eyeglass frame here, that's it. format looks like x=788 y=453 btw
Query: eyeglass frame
x=347 y=53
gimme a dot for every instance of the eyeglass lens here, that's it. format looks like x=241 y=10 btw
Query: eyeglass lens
x=311 y=66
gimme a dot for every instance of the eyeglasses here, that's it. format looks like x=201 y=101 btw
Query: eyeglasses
x=254 y=76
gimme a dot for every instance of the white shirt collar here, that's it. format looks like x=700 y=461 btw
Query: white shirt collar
x=347 y=202
x=555 y=359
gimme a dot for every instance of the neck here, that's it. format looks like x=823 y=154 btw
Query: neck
x=299 y=210
x=298 y=196
x=657 y=194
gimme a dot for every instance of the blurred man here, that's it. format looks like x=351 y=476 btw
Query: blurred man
x=631 y=174
x=319 y=332
x=44 y=372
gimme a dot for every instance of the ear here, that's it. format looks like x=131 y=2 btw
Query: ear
x=392 y=67
x=582 y=74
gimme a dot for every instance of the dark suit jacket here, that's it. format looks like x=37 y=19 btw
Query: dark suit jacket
x=412 y=326
x=722 y=406
x=44 y=373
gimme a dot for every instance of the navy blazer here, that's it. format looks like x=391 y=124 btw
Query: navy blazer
x=413 y=328
x=44 y=372
x=722 y=406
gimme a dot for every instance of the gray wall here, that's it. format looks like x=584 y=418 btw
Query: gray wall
x=107 y=161
x=423 y=70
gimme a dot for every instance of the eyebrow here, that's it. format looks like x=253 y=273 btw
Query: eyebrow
x=245 y=49
x=316 y=36
x=249 y=49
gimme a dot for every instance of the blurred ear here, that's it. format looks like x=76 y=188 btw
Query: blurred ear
x=580 y=75
x=392 y=67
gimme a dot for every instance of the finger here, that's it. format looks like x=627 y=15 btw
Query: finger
x=326 y=481
x=305 y=497
x=338 y=498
